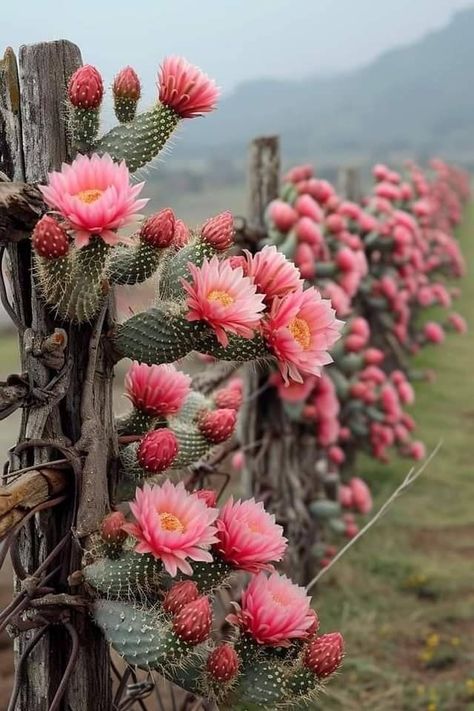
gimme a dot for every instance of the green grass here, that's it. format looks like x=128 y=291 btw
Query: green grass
x=412 y=575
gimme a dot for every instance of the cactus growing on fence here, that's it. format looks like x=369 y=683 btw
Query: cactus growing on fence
x=156 y=622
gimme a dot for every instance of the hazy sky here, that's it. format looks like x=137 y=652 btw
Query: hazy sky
x=232 y=40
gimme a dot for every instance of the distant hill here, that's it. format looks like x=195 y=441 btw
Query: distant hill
x=414 y=100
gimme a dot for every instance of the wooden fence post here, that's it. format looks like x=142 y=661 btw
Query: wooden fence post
x=76 y=397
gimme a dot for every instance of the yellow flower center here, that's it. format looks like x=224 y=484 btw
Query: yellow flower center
x=221 y=296
x=280 y=598
x=301 y=332
x=89 y=196
x=170 y=522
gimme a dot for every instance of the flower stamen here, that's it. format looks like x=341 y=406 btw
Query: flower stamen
x=301 y=332
x=170 y=522
x=223 y=297
x=89 y=196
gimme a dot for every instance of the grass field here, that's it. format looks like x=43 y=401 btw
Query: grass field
x=404 y=595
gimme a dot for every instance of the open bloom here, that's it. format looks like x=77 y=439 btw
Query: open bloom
x=223 y=298
x=249 y=538
x=185 y=88
x=172 y=525
x=274 y=610
x=272 y=273
x=157 y=389
x=299 y=331
x=94 y=195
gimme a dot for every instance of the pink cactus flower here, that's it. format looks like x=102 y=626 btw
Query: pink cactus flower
x=433 y=332
x=224 y=299
x=95 y=197
x=417 y=451
x=173 y=525
x=274 y=611
x=309 y=232
x=293 y=392
x=185 y=88
x=338 y=298
x=300 y=330
x=272 y=273
x=336 y=455
x=157 y=389
x=248 y=537
x=306 y=206
x=345 y=496
x=282 y=215
x=238 y=460
x=361 y=496
x=457 y=322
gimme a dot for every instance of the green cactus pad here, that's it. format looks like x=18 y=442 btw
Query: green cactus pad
x=262 y=683
x=127 y=577
x=134 y=265
x=81 y=291
x=239 y=349
x=143 y=638
x=301 y=682
x=210 y=576
x=125 y=108
x=134 y=422
x=84 y=128
x=139 y=141
x=156 y=336
x=192 y=445
x=177 y=267
x=194 y=403
x=129 y=463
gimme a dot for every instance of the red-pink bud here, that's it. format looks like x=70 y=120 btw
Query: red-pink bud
x=181 y=234
x=158 y=230
x=218 y=231
x=111 y=530
x=228 y=398
x=127 y=84
x=50 y=240
x=86 y=88
x=223 y=663
x=193 y=622
x=324 y=654
x=282 y=214
x=157 y=450
x=217 y=425
x=209 y=496
x=179 y=595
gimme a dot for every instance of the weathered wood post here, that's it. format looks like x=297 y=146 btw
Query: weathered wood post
x=281 y=457
x=70 y=403
x=349 y=183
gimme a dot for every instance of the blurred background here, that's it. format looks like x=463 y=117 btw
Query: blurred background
x=342 y=83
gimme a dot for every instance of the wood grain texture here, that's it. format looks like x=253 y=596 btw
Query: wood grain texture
x=44 y=70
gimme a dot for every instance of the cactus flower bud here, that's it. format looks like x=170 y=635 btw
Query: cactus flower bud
x=50 y=240
x=126 y=89
x=127 y=84
x=181 y=234
x=193 y=622
x=179 y=595
x=157 y=450
x=86 y=88
x=186 y=89
x=229 y=398
x=217 y=425
x=218 y=231
x=111 y=529
x=158 y=230
x=223 y=663
x=324 y=654
x=209 y=496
